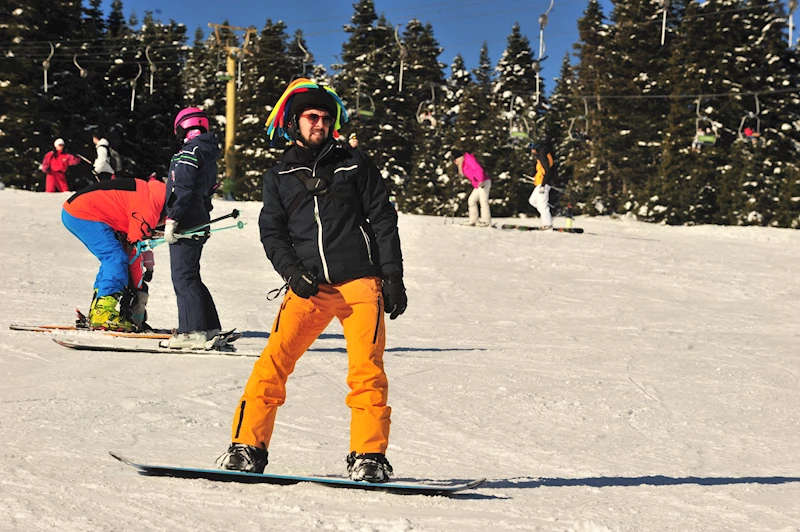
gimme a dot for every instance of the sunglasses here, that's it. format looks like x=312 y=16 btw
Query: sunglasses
x=327 y=120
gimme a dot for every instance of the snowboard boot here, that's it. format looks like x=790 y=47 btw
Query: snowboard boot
x=241 y=457
x=368 y=467
x=104 y=315
x=190 y=340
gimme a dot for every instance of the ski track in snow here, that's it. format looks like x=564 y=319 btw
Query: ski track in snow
x=636 y=377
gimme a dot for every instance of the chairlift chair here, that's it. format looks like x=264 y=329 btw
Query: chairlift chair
x=575 y=132
x=751 y=122
x=519 y=131
x=222 y=74
x=426 y=110
x=705 y=129
x=366 y=113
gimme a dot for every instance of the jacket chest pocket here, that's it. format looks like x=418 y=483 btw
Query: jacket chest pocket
x=345 y=195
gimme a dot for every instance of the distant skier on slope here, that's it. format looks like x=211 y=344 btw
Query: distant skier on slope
x=328 y=228
x=543 y=178
x=96 y=215
x=55 y=165
x=469 y=167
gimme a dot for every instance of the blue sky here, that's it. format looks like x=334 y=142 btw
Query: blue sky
x=460 y=26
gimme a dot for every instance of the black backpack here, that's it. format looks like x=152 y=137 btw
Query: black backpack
x=115 y=159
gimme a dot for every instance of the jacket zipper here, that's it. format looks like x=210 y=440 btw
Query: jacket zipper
x=378 y=321
x=278 y=319
x=369 y=248
x=319 y=219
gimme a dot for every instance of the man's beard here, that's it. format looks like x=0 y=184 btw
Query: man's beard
x=315 y=143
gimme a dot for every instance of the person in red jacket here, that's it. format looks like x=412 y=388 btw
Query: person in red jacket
x=55 y=165
x=106 y=216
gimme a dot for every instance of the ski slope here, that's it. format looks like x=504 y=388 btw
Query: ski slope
x=636 y=377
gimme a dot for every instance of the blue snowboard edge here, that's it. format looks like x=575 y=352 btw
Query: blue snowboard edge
x=265 y=478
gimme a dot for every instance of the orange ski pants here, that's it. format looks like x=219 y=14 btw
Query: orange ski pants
x=359 y=307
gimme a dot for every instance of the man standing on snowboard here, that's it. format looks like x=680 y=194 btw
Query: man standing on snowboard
x=330 y=231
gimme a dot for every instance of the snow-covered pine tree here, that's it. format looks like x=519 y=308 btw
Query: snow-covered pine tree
x=199 y=72
x=147 y=140
x=556 y=126
x=591 y=184
x=759 y=186
x=300 y=56
x=635 y=68
x=478 y=127
x=455 y=90
x=121 y=69
x=423 y=83
x=267 y=70
x=701 y=62
x=515 y=88
x=30 y=118
x=368 y=81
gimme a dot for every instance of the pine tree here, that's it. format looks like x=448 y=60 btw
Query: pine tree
x=516 y=89
x=758 y=189
x=458 y=84
x=704 y=56
x=368 y=81
x=423 y=84
x=94 y=22
x=633 y=126
x=30 y=117
x=267 y=72
x=556 y=126
x=146 y=143
x=116 y=20
x=478 y=128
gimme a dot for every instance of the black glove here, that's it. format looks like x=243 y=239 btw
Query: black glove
x=302 y=281
x=394 y=295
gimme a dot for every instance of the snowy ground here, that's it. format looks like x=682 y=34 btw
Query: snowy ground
x=636 y=377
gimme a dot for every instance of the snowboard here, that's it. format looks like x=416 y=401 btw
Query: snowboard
x=123 y=347
x=160 y=335
x=575 y=230
x=221 y=475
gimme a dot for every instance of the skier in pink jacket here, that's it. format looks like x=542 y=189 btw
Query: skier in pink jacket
x=481 y=183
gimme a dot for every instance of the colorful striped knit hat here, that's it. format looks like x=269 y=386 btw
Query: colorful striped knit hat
x=281 y=114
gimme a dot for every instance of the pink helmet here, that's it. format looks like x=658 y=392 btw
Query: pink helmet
x=190 y=118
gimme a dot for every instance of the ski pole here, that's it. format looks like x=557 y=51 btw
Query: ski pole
x=146 y=245
x=234 y=214
x=205 y=232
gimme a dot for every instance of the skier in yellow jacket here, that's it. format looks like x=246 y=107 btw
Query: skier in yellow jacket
x=542 y=180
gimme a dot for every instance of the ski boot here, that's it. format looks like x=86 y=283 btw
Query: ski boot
x=104 y=315
x=369 y=467
x=134 y=308
x=241 y=457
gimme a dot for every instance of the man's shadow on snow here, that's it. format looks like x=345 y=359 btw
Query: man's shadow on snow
x=613 y=482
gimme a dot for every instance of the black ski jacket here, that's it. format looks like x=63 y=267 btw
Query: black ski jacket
x=330 y=214
x=192 y=180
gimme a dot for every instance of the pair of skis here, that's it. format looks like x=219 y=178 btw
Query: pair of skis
x=121 y=341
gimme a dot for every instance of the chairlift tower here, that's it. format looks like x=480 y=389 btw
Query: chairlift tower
x=233 y=56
